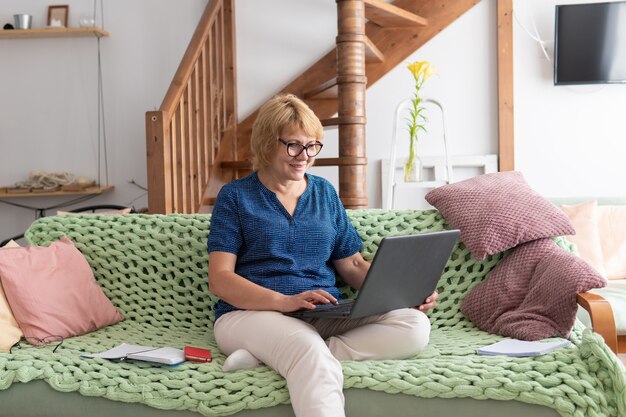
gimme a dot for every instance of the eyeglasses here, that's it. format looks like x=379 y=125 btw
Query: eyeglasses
x=294 y=148
x=54 y=341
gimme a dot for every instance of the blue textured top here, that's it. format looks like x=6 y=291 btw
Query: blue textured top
x=288 y=254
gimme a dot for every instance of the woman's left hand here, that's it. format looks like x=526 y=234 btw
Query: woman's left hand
x=430 y=302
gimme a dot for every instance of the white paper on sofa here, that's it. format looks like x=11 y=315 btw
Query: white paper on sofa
x=520 y=348
x=164 y=355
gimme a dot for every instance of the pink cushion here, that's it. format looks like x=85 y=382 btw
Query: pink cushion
x=498 y=211
x=531 y=294
x=612 y=230
x=10 y=332
x=584 y=218
x=52 y=291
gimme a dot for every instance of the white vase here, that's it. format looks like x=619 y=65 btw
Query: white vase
x=415 y=173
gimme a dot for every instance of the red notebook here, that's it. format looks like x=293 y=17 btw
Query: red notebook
x=196 y=354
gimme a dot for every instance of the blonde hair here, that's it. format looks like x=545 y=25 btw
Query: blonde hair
x=280 y=112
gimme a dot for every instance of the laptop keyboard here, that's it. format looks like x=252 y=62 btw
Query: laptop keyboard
x=343 y=306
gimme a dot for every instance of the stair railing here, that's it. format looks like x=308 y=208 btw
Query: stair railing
x=186 y=135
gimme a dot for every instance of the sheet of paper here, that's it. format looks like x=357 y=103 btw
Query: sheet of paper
x=165 y=355
x=520 y=348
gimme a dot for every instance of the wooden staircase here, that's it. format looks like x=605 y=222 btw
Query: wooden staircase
x=373 y=38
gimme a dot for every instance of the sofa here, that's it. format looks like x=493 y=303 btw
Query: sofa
x=154 y=270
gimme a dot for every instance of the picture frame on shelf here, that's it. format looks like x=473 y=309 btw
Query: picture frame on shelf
x=57 y=15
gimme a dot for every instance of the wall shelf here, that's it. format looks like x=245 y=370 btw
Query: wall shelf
x=53 y=33
x=95 y=190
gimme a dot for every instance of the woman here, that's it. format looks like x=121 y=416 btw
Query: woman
x=278 y=237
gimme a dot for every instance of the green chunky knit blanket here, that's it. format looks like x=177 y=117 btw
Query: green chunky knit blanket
x=154 y=269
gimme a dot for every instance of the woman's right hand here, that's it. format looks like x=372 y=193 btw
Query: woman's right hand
x=306 y=299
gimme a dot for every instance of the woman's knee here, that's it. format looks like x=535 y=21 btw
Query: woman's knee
x=256 y=331
x=415 y=329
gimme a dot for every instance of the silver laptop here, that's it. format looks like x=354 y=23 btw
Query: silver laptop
x=404 y=272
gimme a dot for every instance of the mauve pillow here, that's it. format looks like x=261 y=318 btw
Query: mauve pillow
x=498 y=211
x=52 y=291
x=10 y=332
x=531 y=294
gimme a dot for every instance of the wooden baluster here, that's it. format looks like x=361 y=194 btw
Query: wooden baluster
x=352 y=83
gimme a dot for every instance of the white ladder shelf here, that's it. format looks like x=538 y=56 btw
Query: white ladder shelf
x=442 y=166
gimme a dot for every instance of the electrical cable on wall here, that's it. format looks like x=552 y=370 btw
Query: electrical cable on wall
x=536 y=37
x=102 y=137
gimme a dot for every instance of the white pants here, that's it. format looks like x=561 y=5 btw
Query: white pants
x=307 y=353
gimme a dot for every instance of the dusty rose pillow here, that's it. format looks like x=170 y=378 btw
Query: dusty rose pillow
x=10 y=332
x=498 y=211
x=584 y=218
x=612 y=229
x=531 y=294
x=52 y=291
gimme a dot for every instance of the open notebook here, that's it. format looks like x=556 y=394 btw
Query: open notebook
x=520 y=348
x=164 y=355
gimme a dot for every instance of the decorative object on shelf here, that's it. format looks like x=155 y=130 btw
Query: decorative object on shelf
x=87 y=20
x=57 y=16
x=8 y=26
x=421 y=70
x=23 y=21
x=48 y=181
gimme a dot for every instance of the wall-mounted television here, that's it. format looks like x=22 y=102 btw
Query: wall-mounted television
x=590 y=43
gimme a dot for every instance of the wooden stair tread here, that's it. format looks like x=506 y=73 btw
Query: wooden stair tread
x=389 y=16
x=237 y=164
x=325 y=90
x=207 y=202
x=372 y=53
x=341 y=161
x=344 y=120
x=329 y=90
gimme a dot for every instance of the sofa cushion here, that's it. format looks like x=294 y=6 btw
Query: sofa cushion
x=498 y=211
x=531 y=294
x=584 y=218
x=10 y=332
x=52 y=291
x=612 y=230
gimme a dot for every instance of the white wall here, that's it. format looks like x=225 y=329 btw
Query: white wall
x=568 y=140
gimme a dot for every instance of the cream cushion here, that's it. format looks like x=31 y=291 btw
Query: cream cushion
x=612 y=229
x=584 y=218
x=10 y=332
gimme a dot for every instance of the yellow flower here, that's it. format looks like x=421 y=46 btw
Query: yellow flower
x=421 y=70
